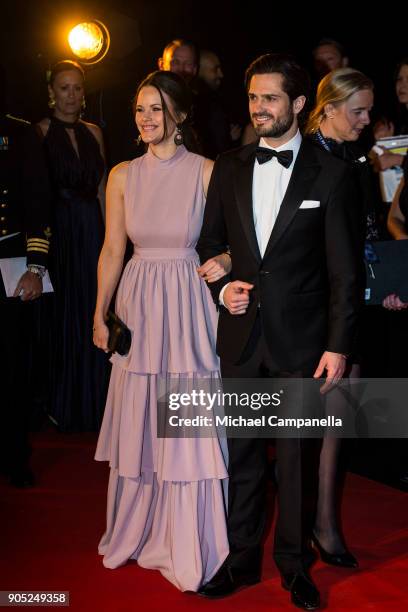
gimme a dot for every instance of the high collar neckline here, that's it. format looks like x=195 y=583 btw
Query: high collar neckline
x=65 y=124
x=180 y=152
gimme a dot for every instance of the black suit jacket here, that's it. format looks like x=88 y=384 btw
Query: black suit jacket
x=308 y=284
x=25 y=193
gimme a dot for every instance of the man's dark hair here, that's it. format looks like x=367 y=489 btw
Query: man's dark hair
x=296 y=80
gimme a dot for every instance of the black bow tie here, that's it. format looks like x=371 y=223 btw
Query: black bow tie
x=263 y=155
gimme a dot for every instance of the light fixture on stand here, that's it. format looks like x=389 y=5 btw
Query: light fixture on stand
x=89 y=41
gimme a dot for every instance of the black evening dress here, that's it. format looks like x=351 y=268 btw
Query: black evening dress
x=370 y=317
x=79 y=371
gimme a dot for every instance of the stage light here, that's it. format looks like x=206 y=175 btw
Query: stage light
x=89 y=41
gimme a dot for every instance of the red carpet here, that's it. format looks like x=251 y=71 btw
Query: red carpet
x=50 y=533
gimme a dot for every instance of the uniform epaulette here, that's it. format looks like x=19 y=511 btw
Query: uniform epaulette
x=18 y=119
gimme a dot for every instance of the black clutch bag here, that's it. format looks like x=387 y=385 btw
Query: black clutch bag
x=120 y=337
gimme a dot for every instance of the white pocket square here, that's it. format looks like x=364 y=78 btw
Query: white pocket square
x=310 y=204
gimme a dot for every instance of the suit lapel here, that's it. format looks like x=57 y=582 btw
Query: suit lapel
x=243 y=179
x=304 y=173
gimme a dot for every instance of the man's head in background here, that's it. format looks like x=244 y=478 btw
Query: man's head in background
x=210 y=69
x=329 y=55
x=180 y=56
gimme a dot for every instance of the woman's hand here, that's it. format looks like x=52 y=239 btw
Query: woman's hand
x=101 y=336
x=393 y=302
x=215 y=268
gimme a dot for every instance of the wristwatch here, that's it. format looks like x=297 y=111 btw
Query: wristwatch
x=39 y=270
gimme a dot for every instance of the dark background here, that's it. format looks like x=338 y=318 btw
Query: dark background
x=33 y=37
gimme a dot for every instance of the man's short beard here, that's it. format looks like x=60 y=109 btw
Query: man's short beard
x=279 y=128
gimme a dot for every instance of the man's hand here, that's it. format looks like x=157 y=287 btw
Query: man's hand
x=236 y=297
x=29 y=287
x=393 y=302
x=334 y=364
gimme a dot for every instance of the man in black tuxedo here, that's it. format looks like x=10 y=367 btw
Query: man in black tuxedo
x=286 y=210
x=25 y=198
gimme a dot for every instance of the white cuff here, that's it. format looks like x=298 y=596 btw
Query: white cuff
x=221 y=296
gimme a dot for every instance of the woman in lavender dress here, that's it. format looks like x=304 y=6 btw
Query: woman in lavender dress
x=166 y=504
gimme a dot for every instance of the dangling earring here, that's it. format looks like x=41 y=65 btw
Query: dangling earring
x=138 y=140
x=51 y=102
x=178 y=136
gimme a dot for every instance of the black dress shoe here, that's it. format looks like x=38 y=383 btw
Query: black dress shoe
x=21 y=477
x=345 y=559
x=303 y=592
x=228 y=580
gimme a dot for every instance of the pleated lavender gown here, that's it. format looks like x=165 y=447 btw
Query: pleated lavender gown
x=166 y=502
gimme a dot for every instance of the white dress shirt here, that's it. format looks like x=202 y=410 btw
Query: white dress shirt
x=270 y=181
